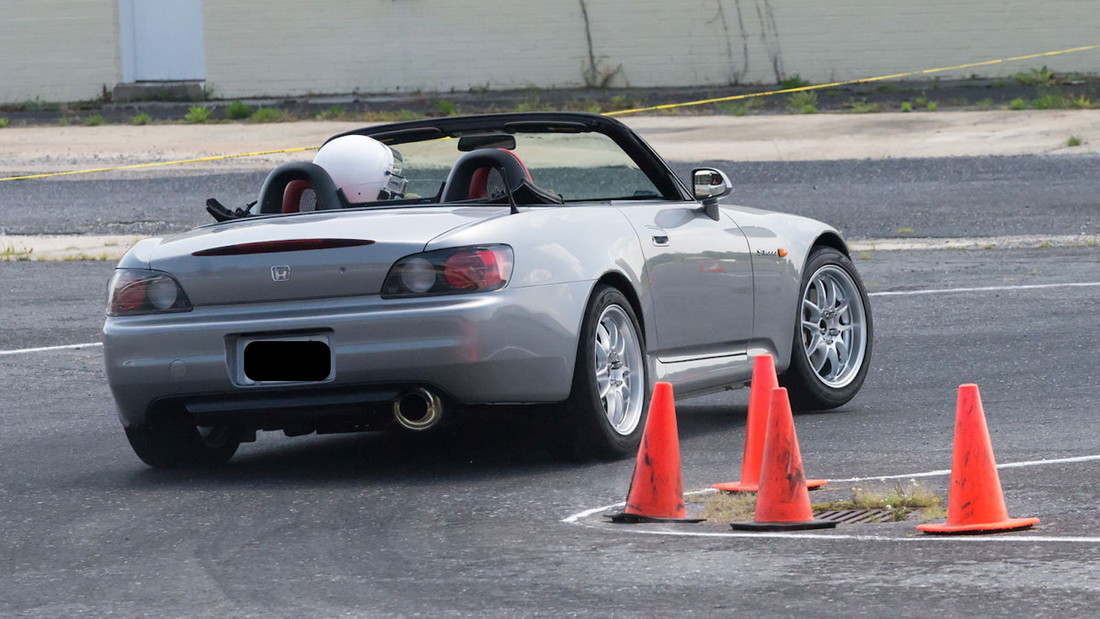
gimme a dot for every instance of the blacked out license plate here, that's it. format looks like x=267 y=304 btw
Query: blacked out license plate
x=295 y=360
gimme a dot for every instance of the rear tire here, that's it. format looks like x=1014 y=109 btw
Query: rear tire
x=606 y=411
x=831 y=351
x=172 y=446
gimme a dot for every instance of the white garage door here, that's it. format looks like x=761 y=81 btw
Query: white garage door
x=164 y=42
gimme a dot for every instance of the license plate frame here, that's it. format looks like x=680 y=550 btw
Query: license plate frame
x=243 y=343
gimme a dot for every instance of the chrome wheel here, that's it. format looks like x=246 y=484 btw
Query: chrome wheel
x=620 y=376
x=834 y=334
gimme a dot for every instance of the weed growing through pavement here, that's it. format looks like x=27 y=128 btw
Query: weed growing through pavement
x=446 y=107
x=794 y=81
x=271 y=115
x=1074 y=141
x=1036 y=77
x=805 y=102
x=197 y=114
x=900 y=500
x=862 y=107
x=333 y=112
x=905 y=231
x=9 y=253
x=238 y=111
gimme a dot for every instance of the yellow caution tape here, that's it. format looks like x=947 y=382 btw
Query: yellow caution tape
x=138 y=166
x=969 y=65
x=668 y=106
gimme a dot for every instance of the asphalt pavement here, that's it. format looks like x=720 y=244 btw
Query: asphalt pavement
x=375 y=525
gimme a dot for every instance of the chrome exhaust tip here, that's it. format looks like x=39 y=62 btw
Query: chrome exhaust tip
x=418 y=410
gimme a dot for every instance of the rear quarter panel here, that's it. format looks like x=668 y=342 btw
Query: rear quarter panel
x=556 y=245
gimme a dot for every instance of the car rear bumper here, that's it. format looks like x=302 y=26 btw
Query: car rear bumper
x=512 y=346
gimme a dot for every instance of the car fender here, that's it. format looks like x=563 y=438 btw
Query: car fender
x=778 y=278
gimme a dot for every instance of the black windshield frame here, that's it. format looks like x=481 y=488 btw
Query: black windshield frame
x=648 y=161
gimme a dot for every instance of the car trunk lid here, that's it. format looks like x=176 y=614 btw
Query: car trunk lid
x=314 y=255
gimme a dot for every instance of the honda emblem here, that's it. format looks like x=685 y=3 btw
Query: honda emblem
x=280 y=273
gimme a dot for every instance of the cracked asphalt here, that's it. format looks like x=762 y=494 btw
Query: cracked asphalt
x=376 y=525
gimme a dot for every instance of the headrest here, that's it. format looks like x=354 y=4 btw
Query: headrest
x=274 y=188
x=462 y=174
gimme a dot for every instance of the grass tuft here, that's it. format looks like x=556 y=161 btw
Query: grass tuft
x=1074 y=141
x=723 y=508
x=94 y=120
x=805 y=102
x=238 y=111
x=906 y=106
x=197 y=114
x=4 y=122
x=141 y=119
x=1018 y=104
x=270 y=115
x=794 y=81
x=446 y=107
x=1036 y=77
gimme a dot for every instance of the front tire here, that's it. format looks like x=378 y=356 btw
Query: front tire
x=172 y=446
x=605 y=414
x=831 y=351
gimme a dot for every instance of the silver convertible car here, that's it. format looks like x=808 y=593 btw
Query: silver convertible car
x=418 y=272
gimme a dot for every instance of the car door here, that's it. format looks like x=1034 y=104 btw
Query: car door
x=700 y=275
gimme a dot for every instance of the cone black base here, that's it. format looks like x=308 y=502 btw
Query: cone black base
x=625 y=518
x=782 y=526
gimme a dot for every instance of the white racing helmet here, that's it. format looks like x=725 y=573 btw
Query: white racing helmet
x=364 y=168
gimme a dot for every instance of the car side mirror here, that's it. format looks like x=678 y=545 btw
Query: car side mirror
x=709 y=185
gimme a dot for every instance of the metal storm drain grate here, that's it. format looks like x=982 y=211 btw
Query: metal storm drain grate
x=855 y=516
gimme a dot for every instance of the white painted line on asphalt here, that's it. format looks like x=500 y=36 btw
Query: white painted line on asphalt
x=45 y=348
x=1008 y=465
x=1023 y=537
x=901 y=293
x=1020 y=537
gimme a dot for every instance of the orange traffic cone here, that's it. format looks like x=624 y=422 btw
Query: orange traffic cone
x=783 y=501
x=975 y=502
x=764 y=380
x=657 y=490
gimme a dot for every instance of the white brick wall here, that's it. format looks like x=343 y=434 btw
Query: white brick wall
x=58 y=50
x=65 y=50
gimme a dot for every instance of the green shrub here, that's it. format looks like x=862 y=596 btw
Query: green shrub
x=446 y=107
x=4 y=122
x=1036 y=77
x=197 y=114
x=94 y=121
x=269 y=115
x=335 y=111
x=238 y=111
x=932 y=106
x=906 y=106
x=862 y=107
x=801 y=100
x=141 y=119
x=808 y=109
x=1018 y=104
x=1073 y=141
x=794 y=81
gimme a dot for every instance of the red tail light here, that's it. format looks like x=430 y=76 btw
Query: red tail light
x=140 y=291
x=450 y=271
x=473 y=269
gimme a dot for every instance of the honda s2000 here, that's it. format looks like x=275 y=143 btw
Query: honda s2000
x=417 y=270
